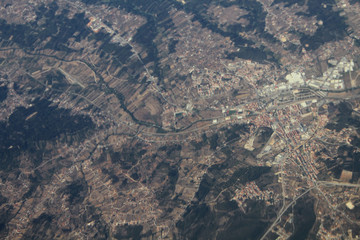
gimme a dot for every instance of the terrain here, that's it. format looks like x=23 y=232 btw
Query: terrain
x=179 y=119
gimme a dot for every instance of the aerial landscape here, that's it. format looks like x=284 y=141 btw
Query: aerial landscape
x=180 y=119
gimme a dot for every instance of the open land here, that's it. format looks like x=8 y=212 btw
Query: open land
x=175 y=119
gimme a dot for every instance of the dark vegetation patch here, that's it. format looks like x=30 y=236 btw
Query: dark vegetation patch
x=50 y=122
x=256 y=18
x=34 y=183
x=352 y=2
x=119 y=54
x=215 y=181
x=214 y=141
x=110 y=172
x=56 y=80
x=100 y=230
x=171 y=149
x=6 y=213
x=200 y=222
x=226 y=220
x=333 y=28
x=167 y=175
x=344 y=118
x=235 y=131
x=200 y=144
x=158 y=20
x=129 y=232
x=350 y=158
x=2 y=199
x=39 y=228
x=57 y=28
x=304 y=218
x=128 y=157
x=76 y=191
x=3 y=93
x=347 y=158
x=172 y=46
x=334 y=165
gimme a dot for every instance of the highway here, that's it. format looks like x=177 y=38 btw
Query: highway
x=283 y=210
x=341 y=184
x=319 y=183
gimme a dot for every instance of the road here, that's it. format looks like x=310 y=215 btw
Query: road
x=341 y=184
x=283 y=210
